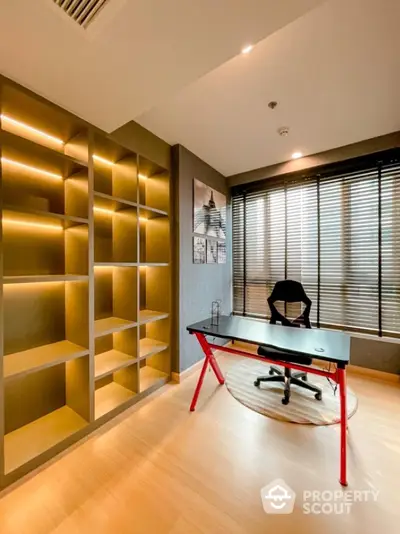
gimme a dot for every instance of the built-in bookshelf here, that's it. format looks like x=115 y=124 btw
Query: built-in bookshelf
x=85 y=300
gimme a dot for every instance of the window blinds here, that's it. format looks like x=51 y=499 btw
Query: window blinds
x=337 y=232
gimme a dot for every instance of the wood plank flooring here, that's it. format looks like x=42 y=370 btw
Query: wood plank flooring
x=157 y=469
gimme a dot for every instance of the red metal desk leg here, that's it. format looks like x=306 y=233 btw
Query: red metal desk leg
x=343 y=425
x=209 y=359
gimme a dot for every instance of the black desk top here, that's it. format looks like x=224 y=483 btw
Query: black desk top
x=321 y=344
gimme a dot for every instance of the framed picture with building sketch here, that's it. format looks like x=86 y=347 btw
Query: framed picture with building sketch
x=221 y=249
x=199 y=249
x=212 y=251
x=209 y=211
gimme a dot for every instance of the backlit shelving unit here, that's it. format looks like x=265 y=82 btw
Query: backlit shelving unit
x=85 y=295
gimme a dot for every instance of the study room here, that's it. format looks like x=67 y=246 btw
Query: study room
x=199 y=266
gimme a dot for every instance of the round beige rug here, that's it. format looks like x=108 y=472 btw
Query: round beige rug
x=303 y=408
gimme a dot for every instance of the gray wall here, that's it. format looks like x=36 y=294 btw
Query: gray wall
x=375 y=354
x=196 y=285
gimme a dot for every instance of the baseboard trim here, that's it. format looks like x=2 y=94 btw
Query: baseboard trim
x=180 y=377
x=375 y=374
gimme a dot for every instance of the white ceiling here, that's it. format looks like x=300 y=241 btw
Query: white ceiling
x=335 y=73
x=135 y=54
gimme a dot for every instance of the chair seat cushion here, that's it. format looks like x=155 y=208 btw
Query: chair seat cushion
x=274 y=354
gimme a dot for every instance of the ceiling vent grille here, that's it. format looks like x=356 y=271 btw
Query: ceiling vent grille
x=81 y=11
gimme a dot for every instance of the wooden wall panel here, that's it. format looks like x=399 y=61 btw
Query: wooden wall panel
x=124 y=292
x=76 y=195
x=78 y=386
x=76 y=239
x=157 y=192
x=37 y=311
x=33 y=396
x=77 y=313
x=31 y=251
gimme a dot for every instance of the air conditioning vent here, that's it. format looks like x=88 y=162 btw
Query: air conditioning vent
x=81 y=11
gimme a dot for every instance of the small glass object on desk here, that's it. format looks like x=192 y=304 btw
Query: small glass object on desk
x=215 y=312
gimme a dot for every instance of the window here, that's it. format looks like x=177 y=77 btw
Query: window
x=337 y=232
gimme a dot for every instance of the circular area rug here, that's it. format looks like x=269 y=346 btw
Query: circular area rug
x=303 y=408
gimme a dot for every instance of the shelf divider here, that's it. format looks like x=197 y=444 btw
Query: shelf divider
x=148 y=347
x=44 y=278
x=108 y=362
x=46 y=214
x=109 y=325
x=29 y=361
x=147 y=316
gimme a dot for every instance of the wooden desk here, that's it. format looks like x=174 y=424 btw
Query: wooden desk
x=325 y=345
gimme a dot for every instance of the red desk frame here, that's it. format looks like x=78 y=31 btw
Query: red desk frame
x=338 y=376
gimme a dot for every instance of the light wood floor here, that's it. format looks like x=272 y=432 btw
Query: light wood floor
x=158 y=469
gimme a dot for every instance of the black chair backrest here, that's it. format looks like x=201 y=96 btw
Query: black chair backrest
x=289 y=291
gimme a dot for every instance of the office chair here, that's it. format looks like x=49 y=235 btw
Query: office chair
x=288 y=291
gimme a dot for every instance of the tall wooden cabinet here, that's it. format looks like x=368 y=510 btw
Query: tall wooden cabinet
x=85 y=271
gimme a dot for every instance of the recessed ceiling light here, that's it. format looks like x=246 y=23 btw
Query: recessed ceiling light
x=297 y=155
x=247 y=49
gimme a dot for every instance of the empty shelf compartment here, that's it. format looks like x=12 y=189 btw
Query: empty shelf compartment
x=31 y=440
x=148 y=347
x=111 y=324
x=150 y=376
x=109 y=397
x=146 y=316
x=29 y=361
x=110 y=361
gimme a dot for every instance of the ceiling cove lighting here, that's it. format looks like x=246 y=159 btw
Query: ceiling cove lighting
x=6 y=119
x=297 y=155
x=27 y=224
x=103 y=160
x=13 y=163
x=247 y=49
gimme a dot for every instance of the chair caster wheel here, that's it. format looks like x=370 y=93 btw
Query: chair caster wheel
x=318 y=396
x=270 y=372
x=257 y=384
x=285 y=401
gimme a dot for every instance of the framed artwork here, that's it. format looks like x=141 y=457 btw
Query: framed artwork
x=212 y=251
x=221 y=249
x=209 y=211
x=199 y=250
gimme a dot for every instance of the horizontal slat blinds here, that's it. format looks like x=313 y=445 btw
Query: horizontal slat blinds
x=349 y=250
x=238 y=274
x=390 y=231
x=338 y=233
x=302 y=241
